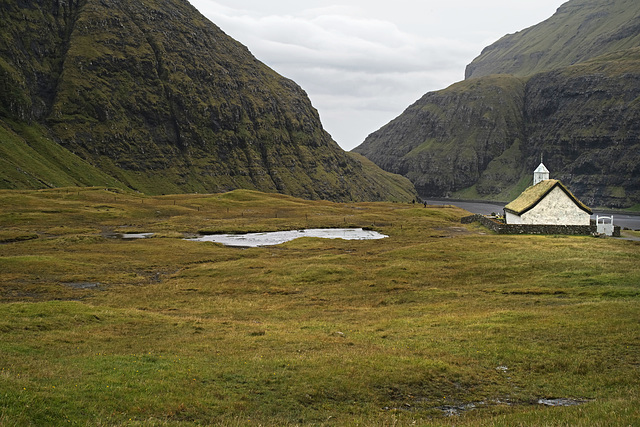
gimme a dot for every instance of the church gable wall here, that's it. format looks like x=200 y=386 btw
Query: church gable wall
x=556 y=208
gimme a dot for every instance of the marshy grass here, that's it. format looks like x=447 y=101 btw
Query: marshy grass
x=437 y=320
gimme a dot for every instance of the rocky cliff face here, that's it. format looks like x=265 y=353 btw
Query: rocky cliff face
x=585 y=119
x=483 y=137
x=153 y=94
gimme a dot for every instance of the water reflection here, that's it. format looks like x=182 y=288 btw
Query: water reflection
x=136 y=235
x=277 y=237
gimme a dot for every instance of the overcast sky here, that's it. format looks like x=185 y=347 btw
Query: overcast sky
x=362 y=62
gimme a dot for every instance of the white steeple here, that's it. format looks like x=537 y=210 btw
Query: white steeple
x=541 y=173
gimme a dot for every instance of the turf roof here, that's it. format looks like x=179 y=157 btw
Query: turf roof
x=534 y=194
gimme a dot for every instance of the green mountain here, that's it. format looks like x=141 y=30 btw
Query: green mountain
x=154 y=97
x=567 y=89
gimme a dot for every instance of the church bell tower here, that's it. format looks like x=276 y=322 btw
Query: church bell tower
x=540 y=174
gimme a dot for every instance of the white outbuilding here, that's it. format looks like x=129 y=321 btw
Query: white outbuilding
x=547 y=202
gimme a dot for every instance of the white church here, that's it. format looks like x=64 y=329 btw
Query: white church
x=547 y=202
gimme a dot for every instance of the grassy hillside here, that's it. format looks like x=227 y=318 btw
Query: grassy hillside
x=580 y=30
x=437 y=320
x=29 y=158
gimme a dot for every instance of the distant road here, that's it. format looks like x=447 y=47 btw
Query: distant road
x=625 y=220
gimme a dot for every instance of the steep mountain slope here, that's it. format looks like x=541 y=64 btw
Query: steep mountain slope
x=446 y=139
x=159 y=98
x=483 y=137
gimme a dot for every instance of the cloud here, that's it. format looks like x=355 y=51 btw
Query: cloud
x=340 y=41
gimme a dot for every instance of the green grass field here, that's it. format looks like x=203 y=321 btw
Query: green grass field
x=439 y=324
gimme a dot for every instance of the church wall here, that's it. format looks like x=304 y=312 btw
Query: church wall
x=555 y=209
x=512 y=218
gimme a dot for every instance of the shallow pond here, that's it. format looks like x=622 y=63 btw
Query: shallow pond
x=254 y=240
x=136 y=235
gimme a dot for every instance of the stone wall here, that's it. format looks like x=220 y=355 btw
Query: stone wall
x=502 y=228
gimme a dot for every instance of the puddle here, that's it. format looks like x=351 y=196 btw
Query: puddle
x=457 y=410
x=136 y=235
x=562 y=402
x=83 y=285
x=254 y=240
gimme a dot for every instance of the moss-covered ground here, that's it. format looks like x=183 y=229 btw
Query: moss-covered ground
x=439 y=324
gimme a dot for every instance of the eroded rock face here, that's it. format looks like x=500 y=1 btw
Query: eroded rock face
x=491 y=132
x=585 y=121
x=157 y=96
x=483 y=137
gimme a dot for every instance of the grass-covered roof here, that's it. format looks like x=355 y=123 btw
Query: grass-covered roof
x=534 y=194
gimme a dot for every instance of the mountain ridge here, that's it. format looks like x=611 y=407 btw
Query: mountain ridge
x=578 y=31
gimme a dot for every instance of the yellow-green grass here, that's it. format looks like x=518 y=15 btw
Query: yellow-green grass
x=96 y=330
